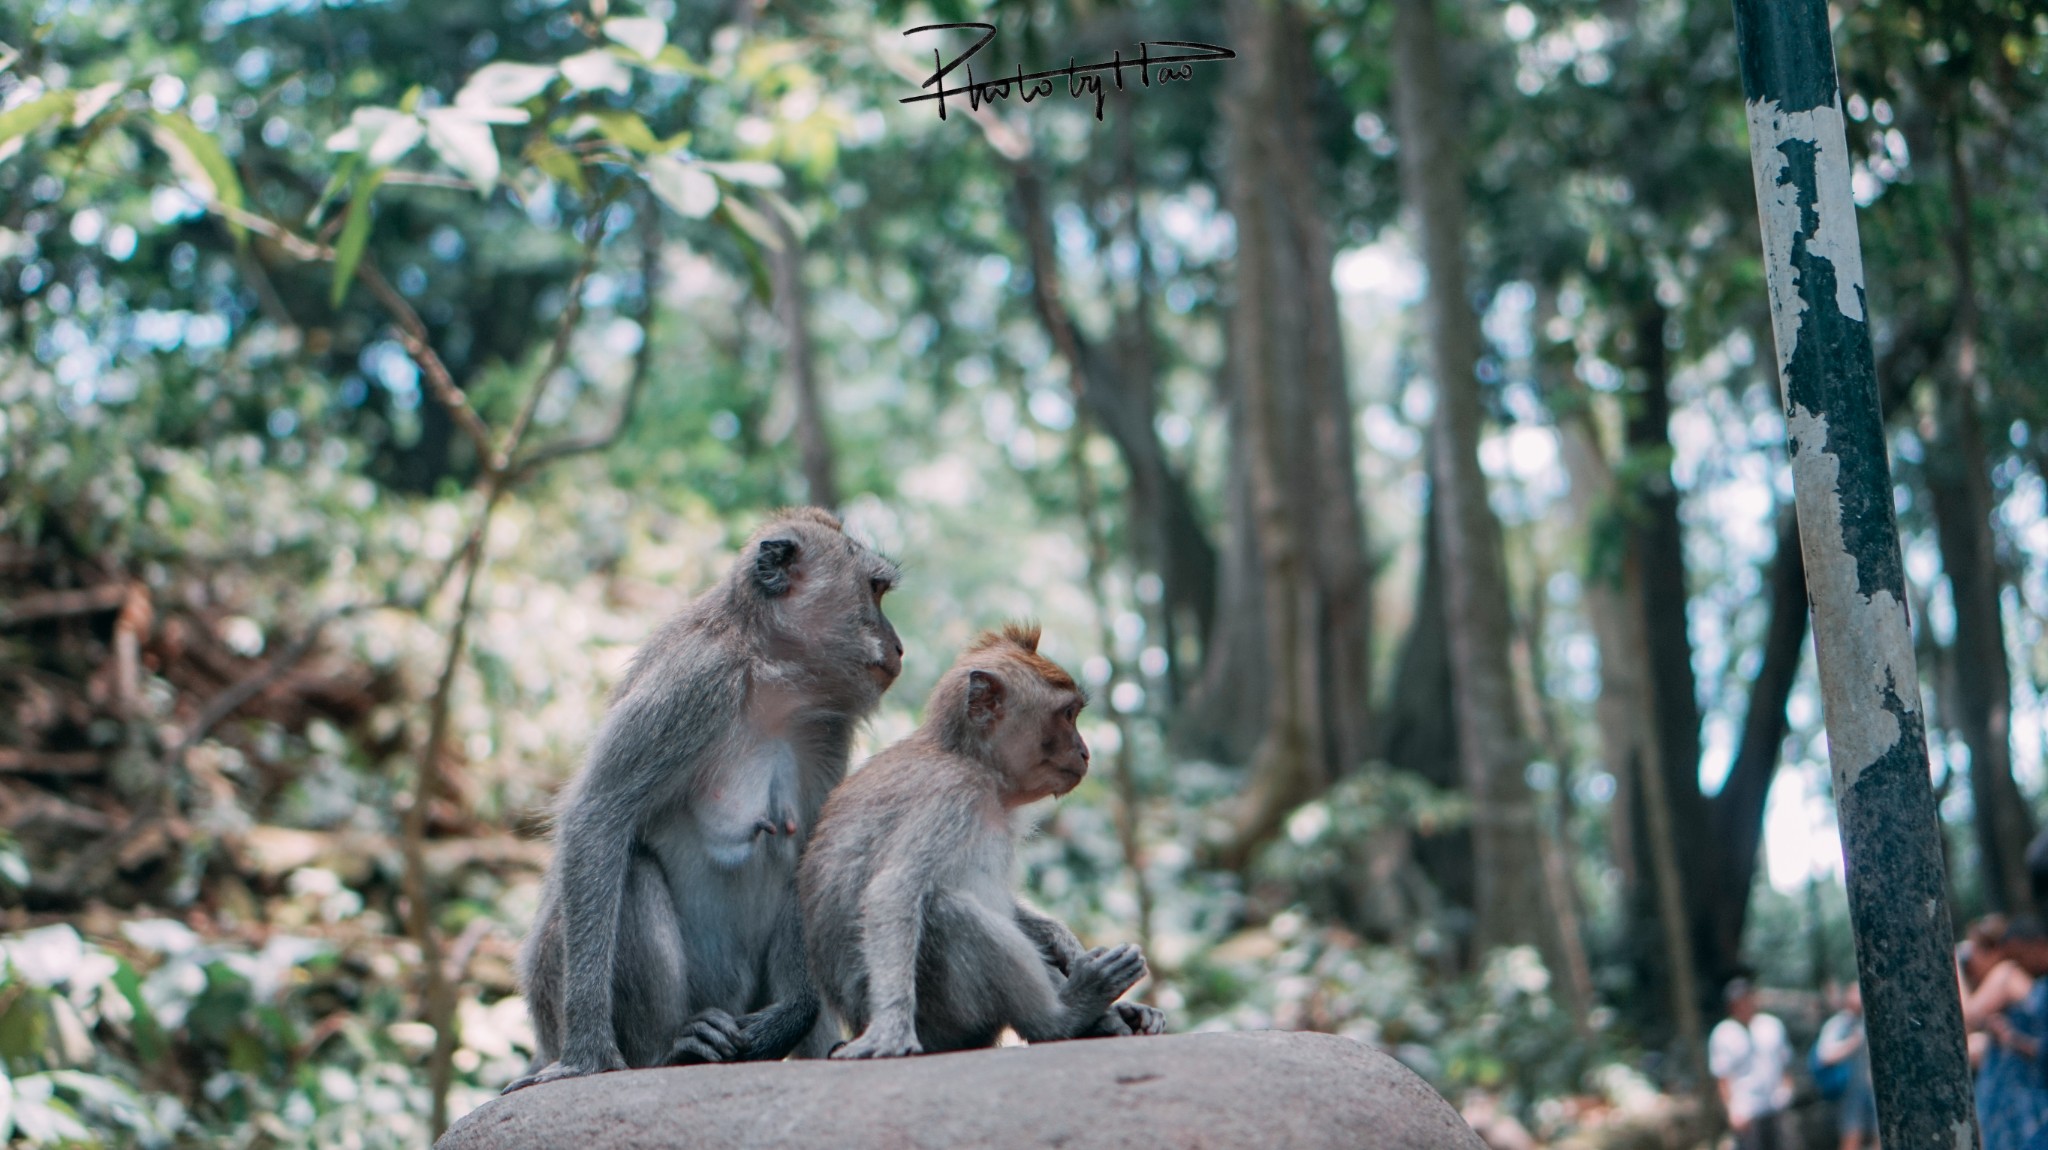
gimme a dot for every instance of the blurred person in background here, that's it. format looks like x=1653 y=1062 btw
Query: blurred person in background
x=1981 y=950
x=2010 y=1005
x=1842 y=1051
x=1751 y=1061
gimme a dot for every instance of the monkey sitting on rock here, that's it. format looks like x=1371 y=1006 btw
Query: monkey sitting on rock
x=916 y=940
x=668 y=929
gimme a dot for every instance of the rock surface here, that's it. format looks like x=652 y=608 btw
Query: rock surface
x=1263 y=1089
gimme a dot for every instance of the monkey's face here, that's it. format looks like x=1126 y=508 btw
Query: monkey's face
x=1029 y=727
x=824 y=594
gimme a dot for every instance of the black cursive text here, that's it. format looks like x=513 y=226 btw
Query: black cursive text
x=1083 y=80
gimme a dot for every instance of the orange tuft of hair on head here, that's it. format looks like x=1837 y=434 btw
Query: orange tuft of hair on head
x=1020 y=642
x=817 y=515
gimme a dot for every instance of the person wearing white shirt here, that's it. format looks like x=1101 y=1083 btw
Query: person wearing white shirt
x=1751 y=1060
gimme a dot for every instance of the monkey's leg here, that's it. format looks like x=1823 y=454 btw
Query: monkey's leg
x=651 y=985
x=891 y=925
x=977 y=973
x=1096 y=981
x=540 y=979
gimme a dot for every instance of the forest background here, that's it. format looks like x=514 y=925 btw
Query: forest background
x=1382 y=422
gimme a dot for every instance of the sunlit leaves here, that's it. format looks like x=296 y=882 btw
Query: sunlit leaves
x=382 y=135
x=756 y=225
x=17 y=123
x=682 y=185
x=88 y=103
x=751 y=173
x=503 y=84
x=461 y=136
x=597 y=70
x=643 y=35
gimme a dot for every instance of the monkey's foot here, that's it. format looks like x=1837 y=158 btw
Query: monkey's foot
x=558 y=1069
x=1140 y=1018
x=1104 y=974
x=712 y=1036
x=875 y=1044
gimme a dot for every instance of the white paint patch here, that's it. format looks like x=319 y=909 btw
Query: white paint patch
x=1862 y=643
x=1835 y=240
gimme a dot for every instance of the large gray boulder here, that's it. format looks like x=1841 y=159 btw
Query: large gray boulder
x=1263 y=1089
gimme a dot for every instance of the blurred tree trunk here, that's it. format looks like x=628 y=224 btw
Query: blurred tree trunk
x=799 y=363
x=1225 y=714
x=1656 y=550
x=1626 y=714
x=1738 y=810
x=1959 y=481
x=1287 y=362
x=1511 y=904
x=1417 y=732
x=1119 y=392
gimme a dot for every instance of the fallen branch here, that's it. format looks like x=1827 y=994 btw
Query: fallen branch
x=14 y=761
x=59 y=604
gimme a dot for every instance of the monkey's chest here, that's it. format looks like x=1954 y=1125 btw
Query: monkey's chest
x=749 y=810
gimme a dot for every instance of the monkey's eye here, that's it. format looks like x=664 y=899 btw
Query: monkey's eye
x=879 y=588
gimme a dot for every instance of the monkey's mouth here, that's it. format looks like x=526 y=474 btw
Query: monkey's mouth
x=885 y=670
x=1070 y=777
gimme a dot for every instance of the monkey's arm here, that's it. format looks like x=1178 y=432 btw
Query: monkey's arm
x=651 y=736
x=1051 y=936
x=772 y=1032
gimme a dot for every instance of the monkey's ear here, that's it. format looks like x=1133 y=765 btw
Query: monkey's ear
x=984 y=699
x=772 y=565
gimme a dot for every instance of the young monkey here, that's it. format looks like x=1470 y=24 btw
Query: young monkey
x=915 y=939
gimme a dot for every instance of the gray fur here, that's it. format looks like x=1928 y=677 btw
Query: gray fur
x=668 y=929
x=916 y=940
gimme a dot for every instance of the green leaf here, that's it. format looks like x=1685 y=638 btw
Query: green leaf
x=341 y=178
x=558 y=163
x=798 y=226
x=674 y=59
x=348 y=250
x=198 y=159
x=760 y=227
x=16 y=123
x=752 y=173
x=149 y=1036
x=627 y=130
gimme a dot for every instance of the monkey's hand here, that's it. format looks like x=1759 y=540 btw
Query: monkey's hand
x=1140 y=1018
x=561 y=1068
x=712 y=1036
x=1102 y=975
x=876 y=1042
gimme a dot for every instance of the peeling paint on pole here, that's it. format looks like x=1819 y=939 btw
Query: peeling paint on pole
x=1848 y=533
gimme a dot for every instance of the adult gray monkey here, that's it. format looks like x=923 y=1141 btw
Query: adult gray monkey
x=668 y=929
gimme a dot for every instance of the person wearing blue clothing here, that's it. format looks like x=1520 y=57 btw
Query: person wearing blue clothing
x=2011 y=1006
x=1842 y=1042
